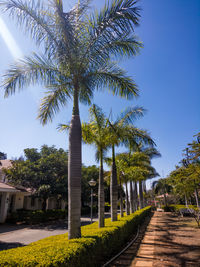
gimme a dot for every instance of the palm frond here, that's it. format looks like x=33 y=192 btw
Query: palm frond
x=115 y=19
x=115 y=79
x=130 y=115
x=63 y=127
x=31 y=70
x=56 y=97
x=34 y=17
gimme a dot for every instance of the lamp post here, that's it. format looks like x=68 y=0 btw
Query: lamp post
x=92 y=184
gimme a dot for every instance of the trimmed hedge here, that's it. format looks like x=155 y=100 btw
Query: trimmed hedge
x=36 y=216
x=95 y=246
x=40 y=216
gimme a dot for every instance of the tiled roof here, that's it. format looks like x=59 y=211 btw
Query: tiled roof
x=5 y=163
x=8 y=187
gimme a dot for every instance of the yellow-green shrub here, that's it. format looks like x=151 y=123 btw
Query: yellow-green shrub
x=96 y=245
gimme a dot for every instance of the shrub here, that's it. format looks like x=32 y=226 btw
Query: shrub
x=95 y=246
x=86 y=210
x=36 y=216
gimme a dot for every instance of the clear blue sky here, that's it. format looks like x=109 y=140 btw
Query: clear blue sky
x=166 y=71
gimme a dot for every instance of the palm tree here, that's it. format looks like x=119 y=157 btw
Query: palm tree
x=162 y=186
x=78 y=49
x=96 y=132
x=117 y=134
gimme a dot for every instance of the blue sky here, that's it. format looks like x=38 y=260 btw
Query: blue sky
x=166 y=71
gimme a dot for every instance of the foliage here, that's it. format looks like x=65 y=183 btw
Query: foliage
x=44 y=172
x=3 y=155
x=36 y=216
x=136 y=166
x=80 y=50
x=184 y=180
x=88 y=173
x=95 y=246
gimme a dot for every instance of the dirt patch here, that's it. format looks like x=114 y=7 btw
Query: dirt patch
x=177 y=241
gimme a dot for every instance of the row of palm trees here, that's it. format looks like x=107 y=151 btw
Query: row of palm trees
x=130 y=167
x=79 y=49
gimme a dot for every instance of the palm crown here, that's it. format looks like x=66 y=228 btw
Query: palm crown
x=78 y=47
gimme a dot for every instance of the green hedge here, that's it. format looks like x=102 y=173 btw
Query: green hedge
x=176 y=208
x=40 y=216
x=95 y=246
x=36 y=216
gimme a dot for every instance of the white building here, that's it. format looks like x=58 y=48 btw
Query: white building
x=13 y=198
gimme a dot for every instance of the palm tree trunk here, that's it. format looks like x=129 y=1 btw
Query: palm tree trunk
x=121 y=198
x=145 y=191
x=74 y=173
x=136 y=196
x=127 y=201
x=113 y=188
x=186 y=201
x=101 y=200
x=141 y=195
x=165 y=199
x=197 y=197
x=131 y=197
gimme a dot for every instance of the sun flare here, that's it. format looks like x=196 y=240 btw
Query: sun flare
x=9 y=40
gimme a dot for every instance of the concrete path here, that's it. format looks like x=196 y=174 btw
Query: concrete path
x=169 y=241
x=19 y=235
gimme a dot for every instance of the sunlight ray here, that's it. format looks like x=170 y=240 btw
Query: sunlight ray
x=9 y=40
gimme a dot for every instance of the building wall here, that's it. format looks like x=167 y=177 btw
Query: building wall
x=19 y=201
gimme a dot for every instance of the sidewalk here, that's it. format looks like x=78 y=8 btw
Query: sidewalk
x=169 y=241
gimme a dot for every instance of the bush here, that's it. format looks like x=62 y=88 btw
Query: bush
x=176 y=208
x=86 y=210
x=95 y=246
x=36 y=216
x=107 y=207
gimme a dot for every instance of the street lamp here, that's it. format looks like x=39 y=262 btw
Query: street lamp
x=92 y=184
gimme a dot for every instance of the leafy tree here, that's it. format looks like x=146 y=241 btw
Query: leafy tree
x=32 y=154
x=88 y=173
x=3 y=156
x=79 y=49
x=46 y=176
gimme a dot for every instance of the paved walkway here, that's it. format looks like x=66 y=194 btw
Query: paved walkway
x=169 y=242
x=12 y=236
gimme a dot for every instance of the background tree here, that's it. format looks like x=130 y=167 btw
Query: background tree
x=88 y=173
x=46 y=175
x=78 y=51
x=162 y=186
x=3 y=156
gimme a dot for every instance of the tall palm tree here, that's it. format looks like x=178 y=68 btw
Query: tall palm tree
x=96 y=132
x=78 y=51
x=117 y=130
